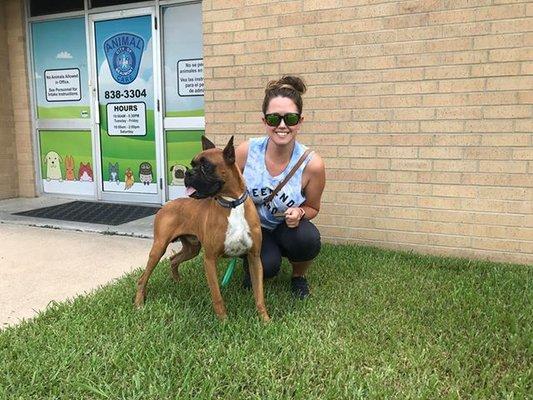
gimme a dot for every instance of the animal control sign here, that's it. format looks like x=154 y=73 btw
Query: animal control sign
x=62 y=84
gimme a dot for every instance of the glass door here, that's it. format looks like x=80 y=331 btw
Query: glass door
x=125 y=103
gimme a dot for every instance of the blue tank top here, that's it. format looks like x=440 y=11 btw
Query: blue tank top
x=260 y=183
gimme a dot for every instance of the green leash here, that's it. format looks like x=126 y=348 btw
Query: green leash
x=229 y=272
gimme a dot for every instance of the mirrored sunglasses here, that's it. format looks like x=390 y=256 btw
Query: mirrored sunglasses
x=290 y=119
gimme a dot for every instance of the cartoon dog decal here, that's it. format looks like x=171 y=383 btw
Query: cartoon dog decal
x=178 y=173
x=53 y=166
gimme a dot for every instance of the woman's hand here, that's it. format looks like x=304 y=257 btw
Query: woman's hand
x=293 y=215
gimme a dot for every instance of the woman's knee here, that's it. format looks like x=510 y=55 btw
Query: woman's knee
x=302 y=243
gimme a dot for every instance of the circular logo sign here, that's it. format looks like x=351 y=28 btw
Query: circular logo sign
x=124 y=52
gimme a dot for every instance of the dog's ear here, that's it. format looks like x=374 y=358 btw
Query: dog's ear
x=207 y=144
x=229 y=152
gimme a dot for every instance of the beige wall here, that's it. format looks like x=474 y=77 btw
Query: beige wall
x=8 y=161
x=421 y=109
x=17 y=171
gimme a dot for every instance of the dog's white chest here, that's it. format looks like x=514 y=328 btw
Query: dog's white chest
x=238 y=239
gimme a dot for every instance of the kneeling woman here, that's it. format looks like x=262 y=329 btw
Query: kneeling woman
x=265 y=163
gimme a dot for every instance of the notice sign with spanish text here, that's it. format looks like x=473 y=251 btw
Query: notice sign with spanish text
x=62 y=84
x=191 y=77
x=126 y=119
x=183 y=62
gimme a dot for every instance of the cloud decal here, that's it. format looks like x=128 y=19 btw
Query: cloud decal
x=64 y=55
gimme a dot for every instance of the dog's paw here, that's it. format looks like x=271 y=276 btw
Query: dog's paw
x=138 y=302
x=176 y=276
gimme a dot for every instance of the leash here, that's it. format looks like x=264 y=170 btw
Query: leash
x=288 y=177
x=229 y=272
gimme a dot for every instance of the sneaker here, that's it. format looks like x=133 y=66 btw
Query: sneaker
x=299 y=287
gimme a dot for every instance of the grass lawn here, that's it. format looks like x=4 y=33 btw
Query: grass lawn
x=380 y=325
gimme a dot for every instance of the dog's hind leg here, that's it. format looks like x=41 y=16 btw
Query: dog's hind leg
x=190 y=249
x=157 y=251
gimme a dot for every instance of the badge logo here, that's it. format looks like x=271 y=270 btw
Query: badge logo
x=124 y=52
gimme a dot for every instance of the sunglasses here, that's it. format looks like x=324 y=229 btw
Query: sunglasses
x=290 y=119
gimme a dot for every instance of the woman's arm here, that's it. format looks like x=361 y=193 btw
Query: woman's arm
x=314 y=180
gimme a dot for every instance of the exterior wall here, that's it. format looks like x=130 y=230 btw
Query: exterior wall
x=18 y=77
x=8 y=161
x=421 y=109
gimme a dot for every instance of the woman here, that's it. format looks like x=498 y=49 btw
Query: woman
x=265 y=162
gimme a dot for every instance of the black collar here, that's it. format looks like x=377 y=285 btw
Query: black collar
x=232 y=204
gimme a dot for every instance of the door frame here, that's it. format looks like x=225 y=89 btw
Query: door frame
x=159 y=197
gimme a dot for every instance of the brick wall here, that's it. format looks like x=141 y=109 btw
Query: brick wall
x=8 y=161
x=18 y=77
x=421 y=109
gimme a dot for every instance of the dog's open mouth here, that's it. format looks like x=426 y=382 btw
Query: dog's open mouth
x=189 y=191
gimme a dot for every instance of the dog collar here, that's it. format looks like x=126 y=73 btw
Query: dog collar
x=234 y=203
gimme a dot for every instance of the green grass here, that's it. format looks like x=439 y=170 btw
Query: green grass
x=380 y=325
x=200 y=112
x=64 y=112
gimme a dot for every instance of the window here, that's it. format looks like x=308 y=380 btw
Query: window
x=44 y=7
x=105 y=3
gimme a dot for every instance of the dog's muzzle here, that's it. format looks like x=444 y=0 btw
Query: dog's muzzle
x=201 y=186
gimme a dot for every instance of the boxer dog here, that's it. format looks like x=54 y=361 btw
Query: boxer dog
x=218 y=216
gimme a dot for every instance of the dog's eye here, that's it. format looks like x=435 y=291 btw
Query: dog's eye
x=203 y=169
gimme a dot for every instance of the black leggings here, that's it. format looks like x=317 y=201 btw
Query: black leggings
x=297 y=244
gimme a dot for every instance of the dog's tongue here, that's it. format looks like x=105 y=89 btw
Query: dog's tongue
x=189 y=190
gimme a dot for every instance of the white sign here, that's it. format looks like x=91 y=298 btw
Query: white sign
x=126 y=119
x=62 y=84
x=191 y=77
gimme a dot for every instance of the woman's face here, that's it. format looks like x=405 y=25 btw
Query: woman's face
x=282 y=134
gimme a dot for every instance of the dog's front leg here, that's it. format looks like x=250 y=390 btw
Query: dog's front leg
x=256 y=275
x=210 y=267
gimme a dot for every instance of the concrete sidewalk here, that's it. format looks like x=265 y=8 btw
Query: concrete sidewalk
x=45 y=260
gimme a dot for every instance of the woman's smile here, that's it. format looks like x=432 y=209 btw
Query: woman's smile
x=282 y=133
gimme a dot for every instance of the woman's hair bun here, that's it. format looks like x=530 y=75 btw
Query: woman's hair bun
x=288 y=86
x=288 y=81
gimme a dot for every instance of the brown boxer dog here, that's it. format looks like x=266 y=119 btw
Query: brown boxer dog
x=218 y=216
